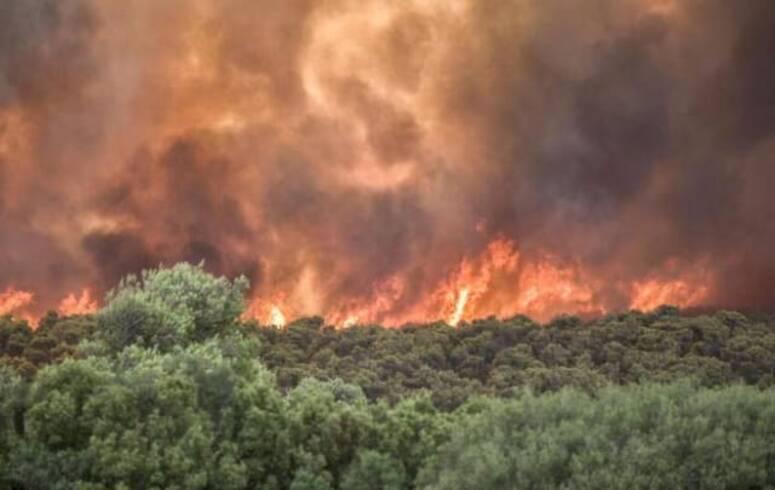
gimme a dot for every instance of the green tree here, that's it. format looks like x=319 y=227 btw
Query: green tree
x=641 y=437
x=168 y=307
x=204 y=416
x=11 y=392
x=306 y=479
x=373 y=470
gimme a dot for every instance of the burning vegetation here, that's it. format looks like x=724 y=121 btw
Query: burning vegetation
x=387 y=162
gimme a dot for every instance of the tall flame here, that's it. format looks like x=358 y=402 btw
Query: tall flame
x=460 y=307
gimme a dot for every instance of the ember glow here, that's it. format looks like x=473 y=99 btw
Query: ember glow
x=391 y=162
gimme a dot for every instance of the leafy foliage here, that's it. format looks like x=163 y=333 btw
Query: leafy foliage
x=674 y=436
x=492 y=357
x=168 y=307
x=55 y=339
x=203 y=416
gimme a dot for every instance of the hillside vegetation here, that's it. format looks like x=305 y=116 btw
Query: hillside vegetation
x=166 y=387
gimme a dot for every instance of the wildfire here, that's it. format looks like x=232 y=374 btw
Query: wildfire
x=500 y=282
x=377 y=306
x=357 y=160
x=267 y=313
x=652 y=293
x=460 y=307
x=11 y=301
x=276 y=317
x=22 y=304
x=78 y=305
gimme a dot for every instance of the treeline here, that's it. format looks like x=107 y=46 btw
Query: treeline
x=492 y=357
x=167 y=388
x=488 y=357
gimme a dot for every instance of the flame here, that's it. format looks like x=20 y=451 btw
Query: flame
x=495 y=282
x=377 y=307
x=499 y=281
x=548 y=290
x=276 y=317
x=652 y=293
x=460 y=307
x=350 y=321
x=266 y=312
x=12 y=301
x=78 y=305
x=22 y=304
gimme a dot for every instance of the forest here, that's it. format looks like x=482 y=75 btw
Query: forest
x=168 y=386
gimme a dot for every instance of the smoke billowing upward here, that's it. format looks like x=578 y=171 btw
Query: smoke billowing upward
x=392 y=161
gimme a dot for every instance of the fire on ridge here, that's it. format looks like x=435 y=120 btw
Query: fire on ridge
x=494 y=284
x=387 y=162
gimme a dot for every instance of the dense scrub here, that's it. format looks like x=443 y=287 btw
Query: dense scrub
x=644 y=437
x=167 y=388
x=486 y=357
x=491 y=357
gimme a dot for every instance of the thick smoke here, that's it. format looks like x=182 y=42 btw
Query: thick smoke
x=342 y=152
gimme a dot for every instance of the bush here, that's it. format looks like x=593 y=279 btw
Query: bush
x=168 y=307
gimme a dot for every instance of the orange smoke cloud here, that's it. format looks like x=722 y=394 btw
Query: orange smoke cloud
x=391 y=162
